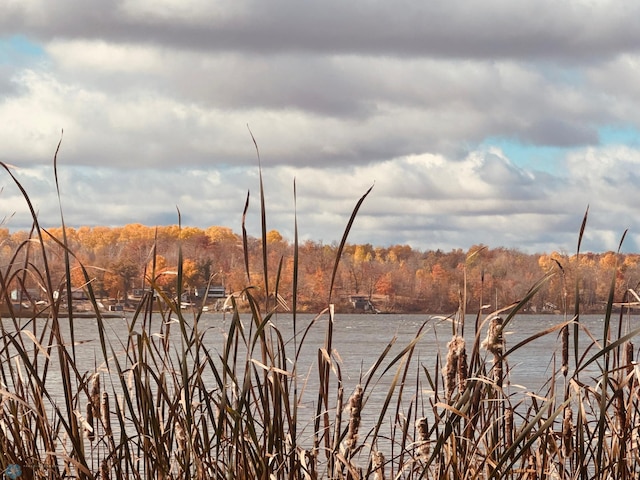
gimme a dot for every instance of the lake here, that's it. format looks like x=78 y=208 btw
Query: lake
x=360 y=339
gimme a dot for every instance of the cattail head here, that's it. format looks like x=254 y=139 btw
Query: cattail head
x=565 y=349
x=567 y=432
x=422 y=427
x=105 y=415
x=88 y=426
x=377 y=462
x=508 y=426
x=104 y=470
x=463 y=367
x=494 y=341
x=628 y=357
x=95 y=394
x=181 y=437
x=455 y=366
x=355 y=410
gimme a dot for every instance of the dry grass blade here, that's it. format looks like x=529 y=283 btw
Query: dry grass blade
x=343 y=241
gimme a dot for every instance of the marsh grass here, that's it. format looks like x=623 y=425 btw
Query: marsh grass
x=161 y=402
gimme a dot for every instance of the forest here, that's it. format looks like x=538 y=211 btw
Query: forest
x=398 y=278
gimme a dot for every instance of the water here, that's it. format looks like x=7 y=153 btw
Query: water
x=358 y=342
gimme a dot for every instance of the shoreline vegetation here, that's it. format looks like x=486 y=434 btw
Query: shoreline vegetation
x=150 y=408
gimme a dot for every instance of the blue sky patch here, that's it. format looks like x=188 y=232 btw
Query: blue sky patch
x=19 y=50
x=532 y=157
x=626 y=135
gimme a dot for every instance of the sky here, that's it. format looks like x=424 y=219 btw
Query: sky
x=495 y=122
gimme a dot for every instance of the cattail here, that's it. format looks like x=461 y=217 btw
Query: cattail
x=567 y=432
x=508 y=427
x=88 y=426
x=450 y=368
x=628 y=360
x=355 y=409
x=377 y=462
x=422 y=426
x=95 y=394
x=105 y=415
x=104 y=470
x=494 y=341
x=463 y=367
x=181 y=438
x=565 y=349
x=455 y=366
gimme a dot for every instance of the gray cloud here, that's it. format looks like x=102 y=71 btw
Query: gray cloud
x=495 y=29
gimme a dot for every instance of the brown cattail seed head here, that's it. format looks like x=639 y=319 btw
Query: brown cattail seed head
x=104 y=414
x=377 y=462
x=463 y=368
x=628 y=357
x=508 y=426
x=355 y=408
x=567 y=432
x=494 y=342
x=422 y=426
x=181 y=438
x=456 y=365
x=565 y=349
x=95 y=394
x=104 y=470
x=88 y=428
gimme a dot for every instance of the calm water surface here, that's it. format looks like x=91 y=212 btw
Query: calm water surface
x=359 y=340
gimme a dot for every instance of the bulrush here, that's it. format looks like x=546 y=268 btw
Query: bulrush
x=95 y=394
x=355 y=410
x=89 y=426
x=181 y=438
x=104 y=470
x=377 y=462
x=424 y=448
x=567 y=432
x=456 y=366
x=105 y=415
x=494 y=343
x=628 y=360
x=508 y=427
x=564 y=333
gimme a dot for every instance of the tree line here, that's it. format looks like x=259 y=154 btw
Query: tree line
x=397 y=278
